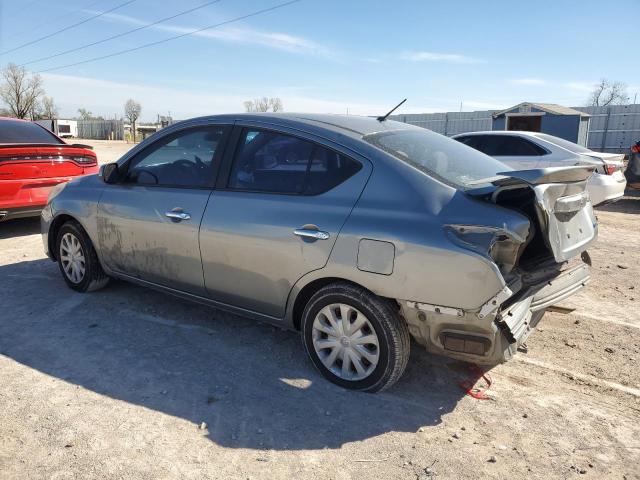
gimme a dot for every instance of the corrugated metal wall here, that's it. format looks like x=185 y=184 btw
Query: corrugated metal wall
x=611 y=129
x=449 y=123
x=101 y=129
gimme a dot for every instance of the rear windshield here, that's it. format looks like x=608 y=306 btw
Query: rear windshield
x=561 y=142
x=438 y=156
x=13 y=131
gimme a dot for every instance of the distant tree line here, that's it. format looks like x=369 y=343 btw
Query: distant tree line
x=264 y=104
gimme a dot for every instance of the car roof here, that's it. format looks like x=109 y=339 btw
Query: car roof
x=352 y=125
x=516 y=133
x=12 y=119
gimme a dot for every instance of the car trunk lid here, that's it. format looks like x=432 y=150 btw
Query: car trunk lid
x=613 y=162
x=562 y=207
x=31 y=161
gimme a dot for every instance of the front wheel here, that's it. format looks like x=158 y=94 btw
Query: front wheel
x=78 y=260
x=354 y=338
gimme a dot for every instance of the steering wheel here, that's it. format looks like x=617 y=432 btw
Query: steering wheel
x=184 y=163
x=199 y=162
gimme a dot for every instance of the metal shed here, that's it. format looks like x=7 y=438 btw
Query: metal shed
x=551 y=118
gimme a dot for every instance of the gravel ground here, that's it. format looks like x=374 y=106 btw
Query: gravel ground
x=130 y=383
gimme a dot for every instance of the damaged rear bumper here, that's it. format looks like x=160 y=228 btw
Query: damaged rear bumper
x=489 y=338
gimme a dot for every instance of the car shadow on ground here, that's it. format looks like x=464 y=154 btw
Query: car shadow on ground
x=20 y=227
x=630 y=203
x=250 y=383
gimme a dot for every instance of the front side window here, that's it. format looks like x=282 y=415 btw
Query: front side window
x=184 y=159
x=273 y=162
x=438 y=156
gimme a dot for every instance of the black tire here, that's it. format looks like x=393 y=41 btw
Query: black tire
x=383 y=315
x=94 y=277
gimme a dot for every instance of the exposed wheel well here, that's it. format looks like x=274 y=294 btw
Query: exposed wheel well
x=53 y=232
x=309 y=290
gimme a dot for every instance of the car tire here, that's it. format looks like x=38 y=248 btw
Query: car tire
x=77 y=259
x=374 y=342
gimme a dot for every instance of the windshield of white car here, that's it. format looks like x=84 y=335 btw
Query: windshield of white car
x=438 y=156
x=561 y=142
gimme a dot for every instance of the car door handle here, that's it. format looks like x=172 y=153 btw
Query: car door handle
x=309 y=233
x=177 y=215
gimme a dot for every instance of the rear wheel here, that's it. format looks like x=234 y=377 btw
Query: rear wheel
x=356 y=339
x=78 y=260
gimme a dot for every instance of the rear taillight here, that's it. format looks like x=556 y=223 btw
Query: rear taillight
x=84 y=160
x=80 y=160
x=612 y=168
x=635 y=149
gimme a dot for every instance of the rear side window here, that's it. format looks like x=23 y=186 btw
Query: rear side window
x=561 y=142
x=507 y=145
x=14 y=131
x=438 y=156
x=272 y=162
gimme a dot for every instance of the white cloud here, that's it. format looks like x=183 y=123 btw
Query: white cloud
x=421 y=56
x=533 y=82
x=107 y=98
x=580 y=86
x=277 y=40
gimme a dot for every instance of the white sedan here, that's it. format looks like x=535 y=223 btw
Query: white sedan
x=525 y=150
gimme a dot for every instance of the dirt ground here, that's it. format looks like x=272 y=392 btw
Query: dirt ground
x=127 y=383
x=107 y=150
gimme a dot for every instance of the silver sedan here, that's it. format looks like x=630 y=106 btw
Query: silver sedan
x=359 y=233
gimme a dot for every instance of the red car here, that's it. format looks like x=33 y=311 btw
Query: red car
x=32 y=161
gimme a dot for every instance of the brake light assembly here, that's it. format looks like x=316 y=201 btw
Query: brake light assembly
x=612 y=168
x=81 y=160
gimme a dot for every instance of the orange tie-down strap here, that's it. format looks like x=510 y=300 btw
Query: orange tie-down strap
x=469 y=385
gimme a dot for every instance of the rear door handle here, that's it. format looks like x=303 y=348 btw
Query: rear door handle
x=177 y=215
x=309 y=233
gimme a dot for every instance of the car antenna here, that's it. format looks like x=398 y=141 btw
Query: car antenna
x=384 y=117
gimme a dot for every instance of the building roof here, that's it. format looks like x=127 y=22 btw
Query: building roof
x=552 y=108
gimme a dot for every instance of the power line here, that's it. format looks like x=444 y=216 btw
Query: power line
x=67 y=28
x=226 y=22
x=82 y=47
x=22 y=8
x=55 y=19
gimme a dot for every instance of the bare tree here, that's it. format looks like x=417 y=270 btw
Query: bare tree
x=88 y=115
x=264 y=104
x=132 y=111
x=85 y=114
x=48 y=108
x=20 y=90
x=607 y=92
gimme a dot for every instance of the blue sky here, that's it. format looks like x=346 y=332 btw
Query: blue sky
x=327 y=56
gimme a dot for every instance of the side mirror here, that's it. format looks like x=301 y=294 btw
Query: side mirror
x=109 y=173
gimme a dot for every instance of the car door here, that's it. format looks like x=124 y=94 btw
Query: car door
x=148 y=221
x=276 y=216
